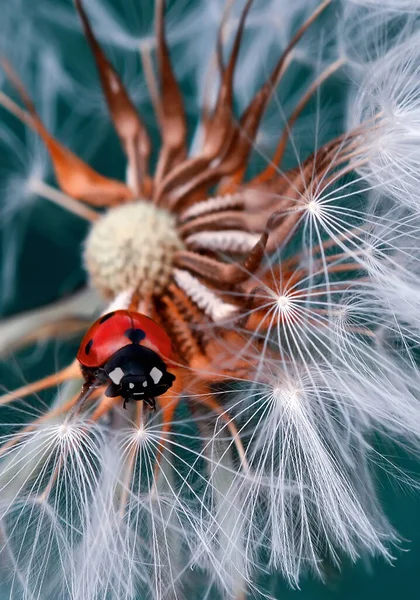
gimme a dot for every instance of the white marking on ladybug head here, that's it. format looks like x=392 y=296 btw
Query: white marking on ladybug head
x=116 y=375
x=156 y=375
x=131 y=385
x=144 y=383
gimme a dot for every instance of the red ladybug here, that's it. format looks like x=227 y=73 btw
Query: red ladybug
x=129 y=352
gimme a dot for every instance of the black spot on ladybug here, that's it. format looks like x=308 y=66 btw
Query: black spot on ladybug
x=88 y=346
x=106 y=317
x=135 y=335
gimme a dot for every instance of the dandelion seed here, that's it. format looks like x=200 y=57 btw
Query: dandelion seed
x=289 y=294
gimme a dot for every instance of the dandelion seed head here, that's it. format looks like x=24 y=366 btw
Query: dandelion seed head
x=141 y=434
x=314 y=207
x=283 y=303
x=63 y=430
x=343 y=315
x=70 y=434
x=287 y=395
x=390 y=158
x=131 y=245
x=262 y=450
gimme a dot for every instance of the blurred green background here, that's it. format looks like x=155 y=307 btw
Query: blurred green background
x=41 y=243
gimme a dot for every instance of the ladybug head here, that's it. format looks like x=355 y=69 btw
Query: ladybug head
x=136 y=373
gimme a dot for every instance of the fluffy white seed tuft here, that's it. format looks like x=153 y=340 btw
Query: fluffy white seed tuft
x=389 y=100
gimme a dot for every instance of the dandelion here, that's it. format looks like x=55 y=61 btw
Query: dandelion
x=289 y=294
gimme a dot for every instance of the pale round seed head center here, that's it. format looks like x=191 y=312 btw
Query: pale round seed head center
x=283 y=303
x=141 y=434
x=314 y=207
x=132 y=246
x=287 y=397
x=63 y=430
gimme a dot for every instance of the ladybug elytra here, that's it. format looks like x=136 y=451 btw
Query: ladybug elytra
x=129 y=352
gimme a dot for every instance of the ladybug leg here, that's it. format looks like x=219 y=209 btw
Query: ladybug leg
x=151 y=402
x=125 y=403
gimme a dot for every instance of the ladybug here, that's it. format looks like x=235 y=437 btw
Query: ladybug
x=129 y=352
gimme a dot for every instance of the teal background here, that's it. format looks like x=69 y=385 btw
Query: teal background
x=49 y=242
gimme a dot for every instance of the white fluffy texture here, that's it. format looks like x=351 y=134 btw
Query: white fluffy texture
x=368 y=30
x=344 y=319
x=132 y=244
x=346 y=324
x=226 y=202
x=223 y=241
x=81 y=516
x=39 y=38
x=126 y=548
x=25 y=163
x=204 y=298
x=312 y=492
x=391 y=251
x=389 y=98
x=25 y=160
x=393 y=5
x=121 y=301
x=226 y=552
x=39 y=530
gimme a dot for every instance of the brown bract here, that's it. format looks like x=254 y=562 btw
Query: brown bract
x=210 y=304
